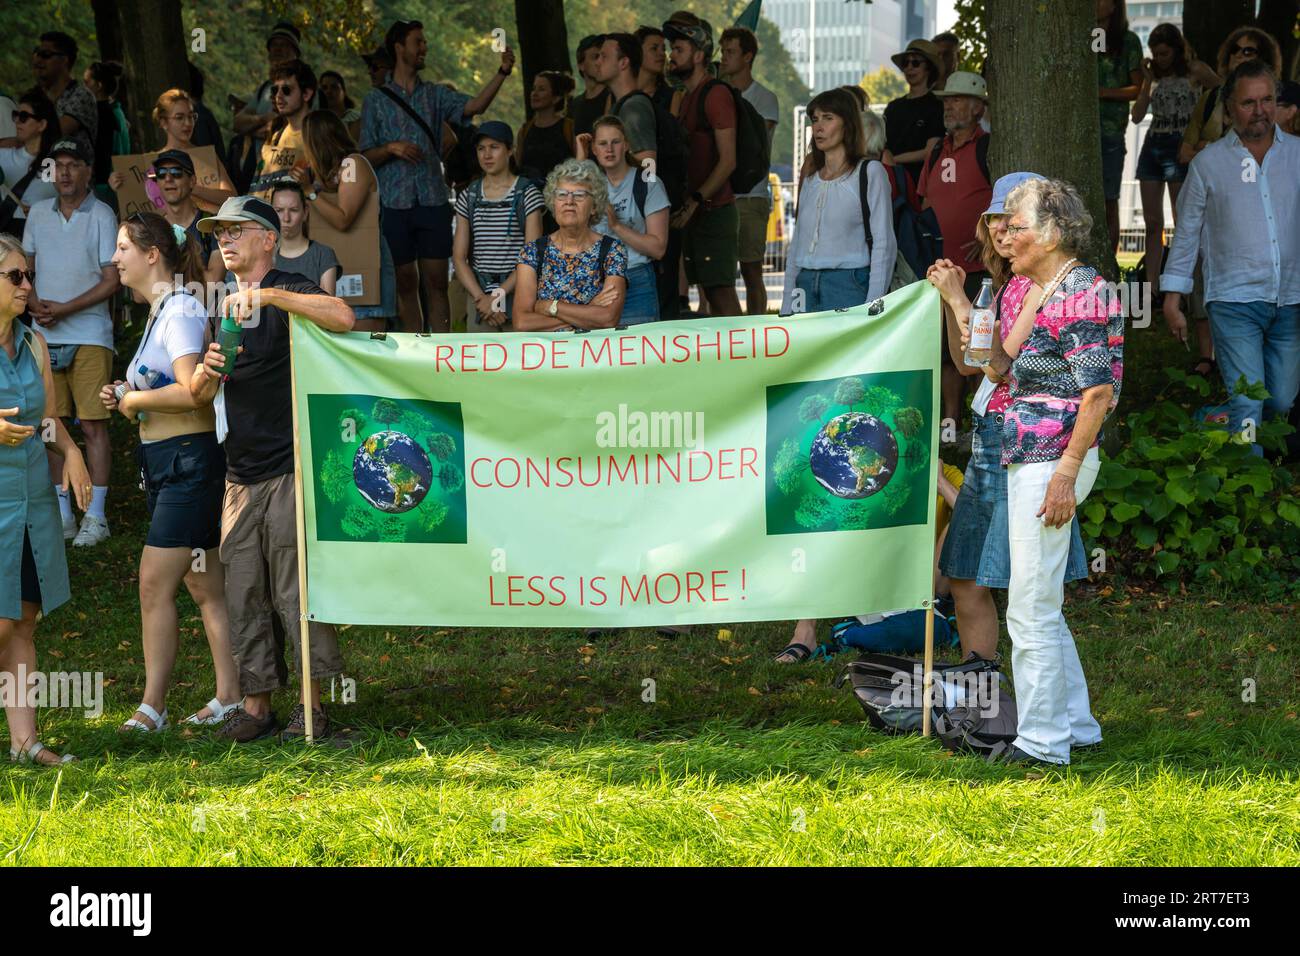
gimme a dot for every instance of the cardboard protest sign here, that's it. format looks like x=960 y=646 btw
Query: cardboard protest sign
x=139 y=193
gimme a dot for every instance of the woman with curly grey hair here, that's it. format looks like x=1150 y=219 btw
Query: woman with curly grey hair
x=573 y=278
x=1064 y=380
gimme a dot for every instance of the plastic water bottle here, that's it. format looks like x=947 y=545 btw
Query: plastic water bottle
x=228 y=337
x=980 y=349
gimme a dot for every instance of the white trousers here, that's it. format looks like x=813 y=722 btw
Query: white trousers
x=1051 y=693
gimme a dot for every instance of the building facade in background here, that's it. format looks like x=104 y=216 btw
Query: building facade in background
x=831 y=42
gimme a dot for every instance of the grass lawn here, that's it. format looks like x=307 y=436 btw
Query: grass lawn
x=519 y=747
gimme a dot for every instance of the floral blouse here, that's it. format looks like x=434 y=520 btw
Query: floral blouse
x=1076 y=343
x=575 y=279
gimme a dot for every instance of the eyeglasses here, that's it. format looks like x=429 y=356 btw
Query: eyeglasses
x=577 y=195
x=16 y=276
x=1246 y=50
x=22 y=116
x=283 y=89
x=234 y=231
x=1014 y=231
x=46 y=54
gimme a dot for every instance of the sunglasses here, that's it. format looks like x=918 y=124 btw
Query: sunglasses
x=913 y=61
x=168 y=172
x=16 y=276
x=46 y=54
x=282 y=89
x=22 y=116
x=1246 y=50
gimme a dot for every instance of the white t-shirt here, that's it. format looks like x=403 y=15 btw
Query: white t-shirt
x=624 y=203
x=14 y=163
x=176 y=331
x=763 y=100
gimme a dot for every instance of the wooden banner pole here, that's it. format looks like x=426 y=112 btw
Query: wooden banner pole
x=300 y=516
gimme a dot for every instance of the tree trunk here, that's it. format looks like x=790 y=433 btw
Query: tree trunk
x=1207 y=23
x=1044 y=105
x=543 y=40
x=108 y=29
x=155 y=47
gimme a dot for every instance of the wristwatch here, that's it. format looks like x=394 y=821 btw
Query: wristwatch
x=698 y=197
x=554 y=309
x=311 y=196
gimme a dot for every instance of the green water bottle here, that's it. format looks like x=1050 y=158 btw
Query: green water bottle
x=228 y=337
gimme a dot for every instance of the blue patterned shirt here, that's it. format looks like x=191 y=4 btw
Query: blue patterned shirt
x=403 y=184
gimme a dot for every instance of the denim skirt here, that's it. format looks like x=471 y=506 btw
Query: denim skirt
x=642 y=301
x=977 y=547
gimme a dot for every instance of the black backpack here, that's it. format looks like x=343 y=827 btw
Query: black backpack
x=670 y=149
x=753 y=151
x=891 y=689
x=920 y=240
x=981 y=155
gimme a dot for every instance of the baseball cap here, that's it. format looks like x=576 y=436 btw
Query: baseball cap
x=924 y=47
x=962 y=83
x=242 y=209
x=73 y=148
x=1002 y=189
x=1288 y=93
x=174 y=157
x=700 y=32
x=286 y=30
x=497 y=130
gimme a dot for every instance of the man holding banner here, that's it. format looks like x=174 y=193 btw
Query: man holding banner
x=250 y=384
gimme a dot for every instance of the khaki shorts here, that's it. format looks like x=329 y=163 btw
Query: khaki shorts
x=259 y=549
x=709 y=247
x=751 y=241
x=80 y=383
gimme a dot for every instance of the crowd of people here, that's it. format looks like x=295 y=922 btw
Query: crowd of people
x=600 y=211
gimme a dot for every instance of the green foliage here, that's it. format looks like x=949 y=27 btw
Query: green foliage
x=812 y=408
x=909 y=422
x=1185 y=501
x=885 y=84
x=353 y=421
x=358 y=521
x=392 y=529
x=880 y=401
x=441 y=445
x=789 y=466
x=813 y=510
x=849 y=391
x=386 y=411
x=973 y=29
x=432 y=513
x=335 y=475
x=895 y=494
x=451 y=478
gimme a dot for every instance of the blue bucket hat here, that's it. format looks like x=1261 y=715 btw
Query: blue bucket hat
x=1002 y=189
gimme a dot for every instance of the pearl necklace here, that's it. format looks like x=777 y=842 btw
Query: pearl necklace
x=1055 y=281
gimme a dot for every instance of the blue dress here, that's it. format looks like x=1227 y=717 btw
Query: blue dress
x=28 y=503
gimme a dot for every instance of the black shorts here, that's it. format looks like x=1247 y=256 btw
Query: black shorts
x=184 y=480
x=421 y=232
x=31 y=581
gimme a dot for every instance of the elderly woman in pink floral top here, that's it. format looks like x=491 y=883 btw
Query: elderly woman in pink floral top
x=1063 y=383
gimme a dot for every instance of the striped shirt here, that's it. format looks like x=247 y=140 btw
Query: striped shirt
x=497 y=234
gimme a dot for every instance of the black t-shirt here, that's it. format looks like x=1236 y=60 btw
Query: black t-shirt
x=259 y=411
x=585 y=112
x=909 y=123
x=545 y=147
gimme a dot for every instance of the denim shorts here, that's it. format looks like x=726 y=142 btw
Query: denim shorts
x=977 y=547
x=184 y=481
x=1113 y=151
x=642 y=301
x=826 y=289
x=1158 y=159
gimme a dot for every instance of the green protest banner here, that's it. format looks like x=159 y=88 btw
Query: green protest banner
x=682 y=472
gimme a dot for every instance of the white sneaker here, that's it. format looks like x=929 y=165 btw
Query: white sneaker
x=69 y=527
x=93 y=530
